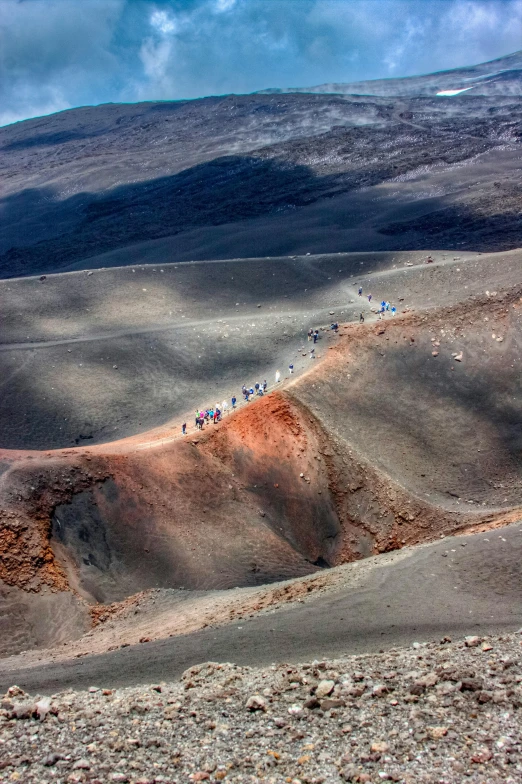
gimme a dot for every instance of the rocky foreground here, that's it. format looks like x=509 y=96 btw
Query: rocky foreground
x=438 y=712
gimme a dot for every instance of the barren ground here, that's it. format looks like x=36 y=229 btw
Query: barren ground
x=286 y=486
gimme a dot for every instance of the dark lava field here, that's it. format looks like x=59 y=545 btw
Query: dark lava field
x=268 y=174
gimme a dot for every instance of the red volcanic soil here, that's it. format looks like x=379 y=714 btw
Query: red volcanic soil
x=388 y=441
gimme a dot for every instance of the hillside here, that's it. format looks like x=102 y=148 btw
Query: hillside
x=265 y=175
x=384 y=441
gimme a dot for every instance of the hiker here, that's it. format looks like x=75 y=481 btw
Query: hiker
x=291 y=368
x=251 y=391
x=217 y=415
x=210 y=413
x=257 y=388
x=393 y=310
x=224 y=406
x=369 y=297
x=334 y=326
x=277 y=376
x=360 y=291
x=383 y=305
x=310 y=333
x=234 y=401
x=246 y=394
x=387 y=305
x=316 y=336
x=184 y=429
x=361 y=318
x=265 y=385
x=312 y=353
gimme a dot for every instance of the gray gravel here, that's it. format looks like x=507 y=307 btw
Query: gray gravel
x=435 y=712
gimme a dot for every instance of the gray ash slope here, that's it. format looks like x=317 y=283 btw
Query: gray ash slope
x=262 y=175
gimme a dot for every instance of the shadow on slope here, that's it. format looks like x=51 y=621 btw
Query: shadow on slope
x=228 y=189
x=449 y=431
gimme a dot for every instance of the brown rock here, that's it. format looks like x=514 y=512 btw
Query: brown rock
x=256 y=703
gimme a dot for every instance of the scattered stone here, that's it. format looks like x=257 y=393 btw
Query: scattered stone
x=472 y=641
x=436 y=733
x=52 y=759
x=256 y=703
x=379 y=747
x=324 y=688
x=223 y=722
x=42 y=707
x=81 y=764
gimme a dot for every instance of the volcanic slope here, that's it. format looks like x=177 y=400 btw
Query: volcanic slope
x=87 y=359
x=502 y=76
x=263 y=175
x=293 y=482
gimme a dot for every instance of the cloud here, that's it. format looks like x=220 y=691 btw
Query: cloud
x=60 y=53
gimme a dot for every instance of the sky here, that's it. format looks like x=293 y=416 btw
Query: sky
x=57 y=54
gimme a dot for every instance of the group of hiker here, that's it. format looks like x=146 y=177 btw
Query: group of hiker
x=215 y=413
x=211 y=414
x=385 y=306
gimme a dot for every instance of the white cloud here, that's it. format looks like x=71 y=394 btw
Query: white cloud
x=163 y=22
x=224 y=5
x=60 y=53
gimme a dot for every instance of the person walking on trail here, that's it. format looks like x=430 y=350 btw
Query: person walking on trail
x=393 y=310
x=361 y=318
x=277 y=377
x=310 y=333
x=211 y=414
x=257 y=388
x=316 y=335
x=246 y=394
x=369 y=297
x=265 y=385
x=184 y=429
x=291 y=368
x=217 y=414
x=234 y=401
x=360 y=291
x=224 y=406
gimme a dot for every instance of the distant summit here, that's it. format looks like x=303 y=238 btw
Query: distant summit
x=496 y=77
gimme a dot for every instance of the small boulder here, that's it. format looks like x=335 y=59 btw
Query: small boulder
x=256 y=703
x=324 y=688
